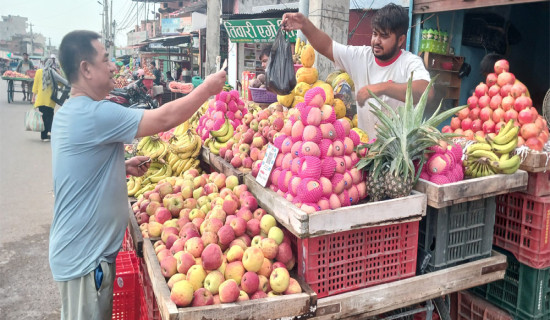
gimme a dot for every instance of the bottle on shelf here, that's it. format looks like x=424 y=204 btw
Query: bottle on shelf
x=430 y=41
x=424 y=41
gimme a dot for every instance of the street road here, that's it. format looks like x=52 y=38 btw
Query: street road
x=27 y=289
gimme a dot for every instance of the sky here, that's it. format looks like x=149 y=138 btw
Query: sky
x=55 y=18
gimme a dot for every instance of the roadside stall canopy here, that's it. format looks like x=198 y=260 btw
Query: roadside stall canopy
x=429 y=6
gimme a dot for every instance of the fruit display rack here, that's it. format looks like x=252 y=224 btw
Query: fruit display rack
x=439 y=196
x=11 y=86
x=304 y=225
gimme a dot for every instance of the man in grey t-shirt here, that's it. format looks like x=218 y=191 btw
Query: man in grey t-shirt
x=24 y=66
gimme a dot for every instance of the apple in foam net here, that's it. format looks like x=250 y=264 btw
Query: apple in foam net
x=213 y=280
x=253 y=259
x=182 y=293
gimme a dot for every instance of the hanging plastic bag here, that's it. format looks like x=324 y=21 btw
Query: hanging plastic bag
x=280 y=77
x=33 y=120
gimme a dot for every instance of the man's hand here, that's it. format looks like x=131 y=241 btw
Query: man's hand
x=215 y=82
x=363 y=94
x=293 y=21
x=134 y=168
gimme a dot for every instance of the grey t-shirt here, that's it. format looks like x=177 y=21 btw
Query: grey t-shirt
x=89 y=176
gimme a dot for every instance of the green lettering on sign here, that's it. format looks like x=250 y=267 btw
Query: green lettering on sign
x=255 y=30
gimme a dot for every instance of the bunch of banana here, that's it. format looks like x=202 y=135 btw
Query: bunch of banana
x=492 y=155
x=298 y=51
x=182 y=128
x=152 y=147
x=220 y=137
x=134 y=185
x=194 y=120
x=227 y=87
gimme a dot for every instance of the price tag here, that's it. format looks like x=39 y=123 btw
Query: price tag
x=267 y=164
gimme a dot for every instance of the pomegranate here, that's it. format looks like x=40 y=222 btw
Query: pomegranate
x=534 y=143
x=491 y=79
x=518 y=89
x=477 y=125
x=510 y=114
x=474 y=113
x=506 y=78
x=483 y=101
x=495 y=102
x=508 y=103
x=472 y=102
x=521 y=142
x=459 y=131
x=485 y=114
x=447 y=129
x=488 y=126
x=481 y=89
x=502 y=66
x=480 y=133
x=466 y=124
x=455 y=123
x=498 y=115
x=529 y=130
x=463 y=114
x=525 y=116
x=543 y=136
x=469 y=134
x=522 y=103
x=505 y=90
x=494 y=90
x=535 y=113
x=539 y=122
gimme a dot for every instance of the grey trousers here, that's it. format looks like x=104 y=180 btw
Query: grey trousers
x=81 y=300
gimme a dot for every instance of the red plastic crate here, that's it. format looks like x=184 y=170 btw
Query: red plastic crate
x=356 y=259
x=470 y=307
x=149 y=307
x=126 y=287
x=127 y=243
x=522 y=226
x=538 y=184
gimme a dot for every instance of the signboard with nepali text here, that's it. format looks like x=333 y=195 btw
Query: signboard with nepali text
x=255 y=30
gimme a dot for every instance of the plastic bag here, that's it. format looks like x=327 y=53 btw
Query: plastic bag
x=33 y=120
x=280 y=76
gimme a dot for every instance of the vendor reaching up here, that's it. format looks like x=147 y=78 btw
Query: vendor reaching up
x=383 y=67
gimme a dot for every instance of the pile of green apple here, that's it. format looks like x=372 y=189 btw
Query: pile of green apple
x=216 y=245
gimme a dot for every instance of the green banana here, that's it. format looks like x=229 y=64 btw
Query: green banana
x=221 y=131
x=479 y=146
x=506 y=148
x=507 y=137
x=484 y=153
x=506 y=164
x=512 y=169
x=228 y=136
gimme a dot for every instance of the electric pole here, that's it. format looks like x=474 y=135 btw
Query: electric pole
x=213 y=10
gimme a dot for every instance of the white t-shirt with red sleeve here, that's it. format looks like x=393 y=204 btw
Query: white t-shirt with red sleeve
x=359 y=62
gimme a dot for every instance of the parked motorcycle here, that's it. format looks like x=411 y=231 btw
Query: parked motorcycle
x=133 y=96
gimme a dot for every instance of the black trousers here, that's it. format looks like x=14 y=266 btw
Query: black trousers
x=47 y=117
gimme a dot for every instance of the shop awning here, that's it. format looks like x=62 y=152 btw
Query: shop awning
x=255 y=27
x=170 y=40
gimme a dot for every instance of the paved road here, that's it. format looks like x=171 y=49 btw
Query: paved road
x=27 y=289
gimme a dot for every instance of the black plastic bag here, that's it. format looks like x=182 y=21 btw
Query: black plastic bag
x=280 y=77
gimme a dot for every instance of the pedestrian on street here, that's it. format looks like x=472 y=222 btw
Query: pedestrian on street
x=156 y=72
x=89 y=172
x=22 y=67
x=384 y=68
x=42 y=89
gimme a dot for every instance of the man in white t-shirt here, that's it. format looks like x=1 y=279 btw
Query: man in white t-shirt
x=383 y=67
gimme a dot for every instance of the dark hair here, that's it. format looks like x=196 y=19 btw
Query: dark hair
x=76 y=47
x=25 y=54
x=153 y=63
x=266 y=51
x=487 y=64
x=391 y=18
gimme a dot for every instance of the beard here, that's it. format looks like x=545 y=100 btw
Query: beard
x=389 y=55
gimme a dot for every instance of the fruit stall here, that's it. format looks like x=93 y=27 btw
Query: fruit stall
x=292 y=205
x=11 y=76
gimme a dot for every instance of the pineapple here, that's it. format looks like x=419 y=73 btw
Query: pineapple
x=403 y=138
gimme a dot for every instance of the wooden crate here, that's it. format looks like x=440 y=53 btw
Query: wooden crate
x=326 y=222
x=218 y=164
x=440 y=196
x=368 y=302
x=288 y=306
x=133 y=228
x=536 y=162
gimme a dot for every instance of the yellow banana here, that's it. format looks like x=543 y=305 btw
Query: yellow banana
x=142 y=143
x=507 y=127
x=197 y=150
x=136 y=186
x=222 y=131
x=484 y=153
x=144 y=189
x=181 y=165
x=480 y=139
x=507 y=164
x=479 y=146
x=504 y=157
x=507 y=137
x=506 y=148
x=228 y=136
x=512 y=169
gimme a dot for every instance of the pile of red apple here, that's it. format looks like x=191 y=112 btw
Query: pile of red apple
x=247 y=148
x=216 y=245
x=226 y=104
x=494 y=103
x=315 y=167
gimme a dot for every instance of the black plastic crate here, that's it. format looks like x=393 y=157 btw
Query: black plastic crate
x=524 y=291
x=459 y=233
